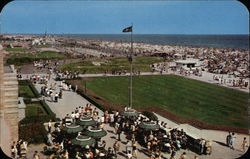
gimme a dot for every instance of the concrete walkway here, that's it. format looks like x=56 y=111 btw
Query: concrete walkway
x=70 y=100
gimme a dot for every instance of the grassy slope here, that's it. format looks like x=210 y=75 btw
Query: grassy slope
x=40 y=55
x=21 y=58
x=187 y=98
x=16 y=49
x=139 y=63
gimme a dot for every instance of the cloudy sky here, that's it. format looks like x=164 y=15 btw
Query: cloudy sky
x=110 y=17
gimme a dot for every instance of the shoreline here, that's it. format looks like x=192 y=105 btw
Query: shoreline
x=81 y=39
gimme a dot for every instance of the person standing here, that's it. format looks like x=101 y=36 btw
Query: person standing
x=244 y=144
x=76 y=87
x=56 y=97
x=36 y=155
x=183 y=155
x=49 y=126
x=49 y=136
x=233 y=140
x=228 y=139
x=52 y=97
x=116 y=147
x=119 y=131
x=60 y=94
x=195 y=157
x=134 y=150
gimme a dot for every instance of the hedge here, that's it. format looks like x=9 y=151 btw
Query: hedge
x=150 y=115
x=47 y=109
x=33 y=132
x=31 y=86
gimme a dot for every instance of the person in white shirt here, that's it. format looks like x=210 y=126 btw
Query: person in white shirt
x=49 y=126
x=129 y=155
x=77 y=115
x=73 y=117
x=102 y=119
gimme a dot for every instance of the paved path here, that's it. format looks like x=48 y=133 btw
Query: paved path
x=218 y=138
x=70 y=100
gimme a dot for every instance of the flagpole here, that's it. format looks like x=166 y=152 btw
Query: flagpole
x=131 y=69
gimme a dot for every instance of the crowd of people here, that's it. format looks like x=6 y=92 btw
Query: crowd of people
x=154 y=142
x=19 y=149
x=233 y=82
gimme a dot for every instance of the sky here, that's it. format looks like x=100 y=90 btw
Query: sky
x=110 y=17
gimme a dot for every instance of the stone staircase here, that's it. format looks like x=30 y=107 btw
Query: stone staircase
x=10 y=102
x=10 y=93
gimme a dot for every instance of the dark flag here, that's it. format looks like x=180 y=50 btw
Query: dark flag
x=130 y=59
x=128 y=29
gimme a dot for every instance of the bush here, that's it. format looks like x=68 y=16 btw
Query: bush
x=150 y=115
x=33 y=133
x=31 y=86
x=27 y=100
x=33 y=89
x=37 y=119
x=47 y=109
x=19 y=61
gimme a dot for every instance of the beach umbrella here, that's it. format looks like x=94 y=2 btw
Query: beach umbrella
x=71 y=129
x=149 y=126
x=87 y=121
x=83 y=141
x=96 y=133
x=130 y=113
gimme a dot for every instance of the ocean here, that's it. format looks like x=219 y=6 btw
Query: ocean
x=214 y=41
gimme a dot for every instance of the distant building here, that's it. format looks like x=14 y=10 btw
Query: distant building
x=188 y=63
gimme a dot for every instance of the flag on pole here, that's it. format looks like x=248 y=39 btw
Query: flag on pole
x=128 y=29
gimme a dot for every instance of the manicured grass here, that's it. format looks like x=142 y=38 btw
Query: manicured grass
x=34 y=109
x=116 y=64
x=189 y=99
x=16 y=49
x=25 y=91
x=21 y=58
x=41 y=55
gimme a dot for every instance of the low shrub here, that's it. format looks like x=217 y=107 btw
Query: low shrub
x=31 y=86
x=37 y=119
x=34 y=132
x=150 y=115
x=47 y=109
x=33 y=89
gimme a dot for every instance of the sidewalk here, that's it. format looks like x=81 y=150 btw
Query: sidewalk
x=70 y=100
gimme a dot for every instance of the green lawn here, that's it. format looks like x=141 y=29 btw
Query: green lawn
x=16 y=49
x=25 y=91
x=186 y=98
x=34 y=109
x=26 y=58
x=119 y=64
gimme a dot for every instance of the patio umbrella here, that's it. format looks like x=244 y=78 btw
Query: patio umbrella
x=71 y=129
x=149 y=126
x=83 y=141
x=87 y=121
x=96 y=133
x=130 y=113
